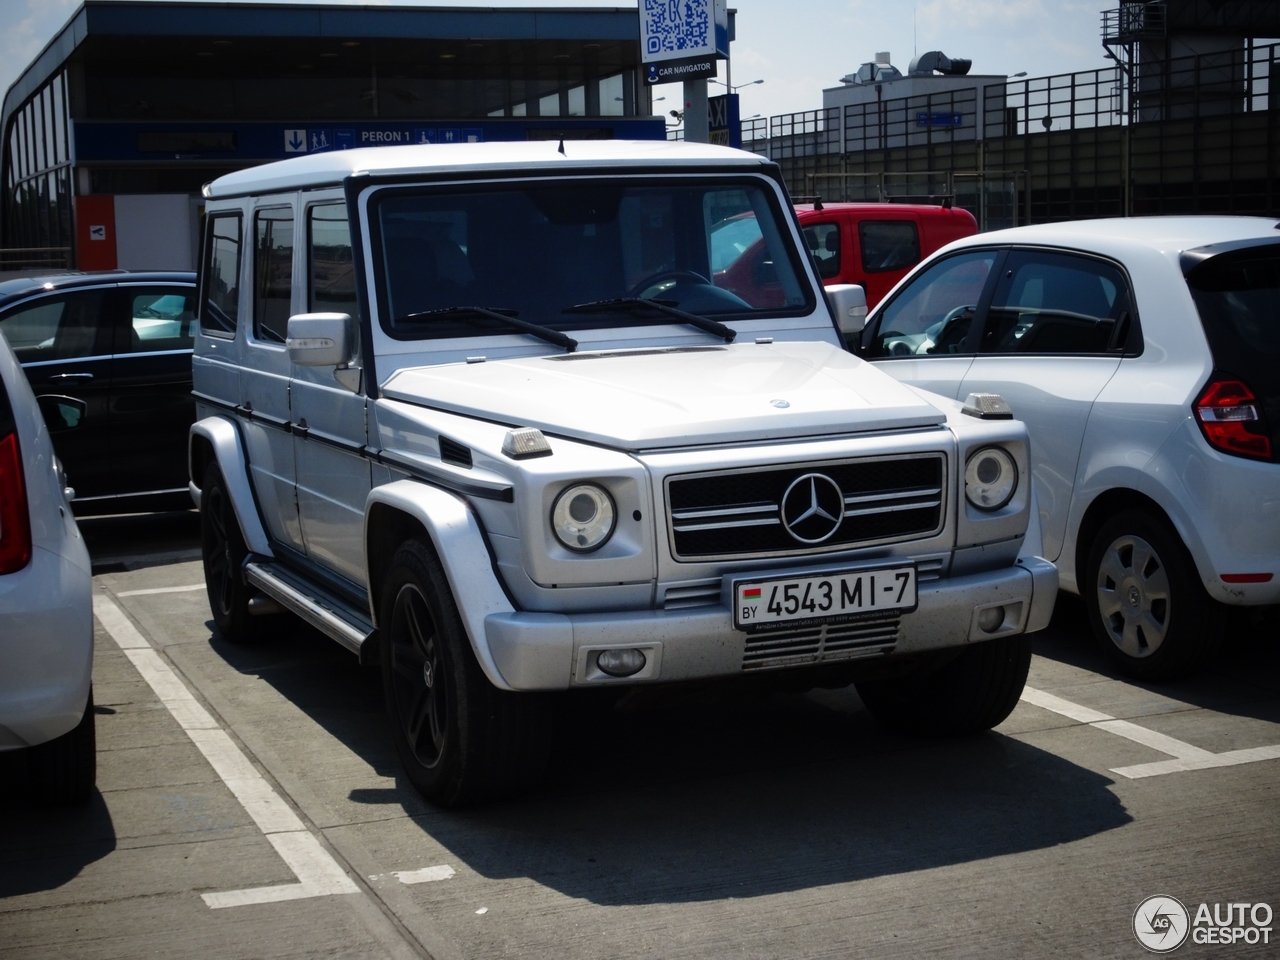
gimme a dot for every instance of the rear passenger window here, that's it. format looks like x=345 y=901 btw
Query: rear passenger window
x=1057 y=303
x=823 y=240
x=330 y=265
x=888 y=245
x=161 y=320
x=221 y=275
x=272 y=274
x=61 y=328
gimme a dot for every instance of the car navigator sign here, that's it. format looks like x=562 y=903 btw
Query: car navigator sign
x=682 y=39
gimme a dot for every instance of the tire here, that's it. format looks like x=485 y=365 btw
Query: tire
x=973 y=692
x=64 y=770
x=1147 y=607
x=459 y=738
x=223 y=550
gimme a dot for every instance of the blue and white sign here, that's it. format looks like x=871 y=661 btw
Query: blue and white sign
x=295 y=141
x=683 y=29
x=939 y=120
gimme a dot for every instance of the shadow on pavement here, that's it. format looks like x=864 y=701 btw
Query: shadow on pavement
x=767 y=796
x=1243 y=679
x=133 y=541
x=42 y=847
x=745 y=796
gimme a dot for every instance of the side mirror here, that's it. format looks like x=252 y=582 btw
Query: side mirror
x=849 y=304
x=61 y=413
x=321 y=339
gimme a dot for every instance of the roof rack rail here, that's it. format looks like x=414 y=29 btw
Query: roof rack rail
x=945 y=200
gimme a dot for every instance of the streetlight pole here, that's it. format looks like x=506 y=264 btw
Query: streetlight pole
x=731 y=88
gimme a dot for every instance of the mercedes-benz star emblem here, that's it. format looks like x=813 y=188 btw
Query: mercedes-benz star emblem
x=812 y=508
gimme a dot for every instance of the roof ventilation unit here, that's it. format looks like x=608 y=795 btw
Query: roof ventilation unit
x=933 y=61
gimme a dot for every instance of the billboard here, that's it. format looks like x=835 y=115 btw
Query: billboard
x=682 y=39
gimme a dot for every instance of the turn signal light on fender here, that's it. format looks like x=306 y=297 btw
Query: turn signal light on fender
x=1229 y=415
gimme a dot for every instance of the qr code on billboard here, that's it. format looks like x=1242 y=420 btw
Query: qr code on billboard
x=672 y=25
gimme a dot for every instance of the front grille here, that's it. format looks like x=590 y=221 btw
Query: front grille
x=820 y=644
x=737 y=514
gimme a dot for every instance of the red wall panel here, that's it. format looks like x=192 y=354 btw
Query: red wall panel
x=95 y=232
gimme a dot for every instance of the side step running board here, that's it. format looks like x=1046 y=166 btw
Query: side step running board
x=327 y=613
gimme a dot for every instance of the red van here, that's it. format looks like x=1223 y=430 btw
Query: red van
x=872 y=244
x=875 y=244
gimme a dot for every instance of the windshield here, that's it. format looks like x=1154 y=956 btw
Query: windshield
x=534 y=250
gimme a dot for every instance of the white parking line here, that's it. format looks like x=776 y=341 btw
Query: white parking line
x=189 y=588
x=1185 y=755
x=318 y=874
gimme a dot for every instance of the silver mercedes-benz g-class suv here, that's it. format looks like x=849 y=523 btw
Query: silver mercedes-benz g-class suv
x=513 y=418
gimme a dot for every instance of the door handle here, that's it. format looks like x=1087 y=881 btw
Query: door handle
x=72 y=376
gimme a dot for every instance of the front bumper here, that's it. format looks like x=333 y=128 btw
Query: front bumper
x=551 y=651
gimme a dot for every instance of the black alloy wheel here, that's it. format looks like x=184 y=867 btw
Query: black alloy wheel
x=418 y=687
x=460 y=739
x=224 y=551
x=973 y=691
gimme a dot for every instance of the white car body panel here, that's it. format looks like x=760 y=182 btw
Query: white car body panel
x=1137 y=432
x=46 y=608
x=730 y=394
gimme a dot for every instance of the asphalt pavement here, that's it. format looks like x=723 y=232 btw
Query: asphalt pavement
x=250 y=804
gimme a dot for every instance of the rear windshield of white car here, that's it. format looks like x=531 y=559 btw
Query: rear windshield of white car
x=719 y=248
x=1238 y=296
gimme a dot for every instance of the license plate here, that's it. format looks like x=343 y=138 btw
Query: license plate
x=827 y=598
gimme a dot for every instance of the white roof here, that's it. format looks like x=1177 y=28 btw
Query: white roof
x=1166 y=234
x=536 y=156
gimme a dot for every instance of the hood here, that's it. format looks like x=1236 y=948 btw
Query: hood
x=675 y=396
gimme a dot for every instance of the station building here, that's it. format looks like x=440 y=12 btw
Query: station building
x=109 y=134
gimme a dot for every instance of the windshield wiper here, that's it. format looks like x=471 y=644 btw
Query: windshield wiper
x=664 y=306
x=501 y=314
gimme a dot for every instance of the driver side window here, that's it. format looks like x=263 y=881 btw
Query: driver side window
x=934 y=313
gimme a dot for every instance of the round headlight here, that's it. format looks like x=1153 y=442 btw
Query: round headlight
x=990 y=479
x=583 y=517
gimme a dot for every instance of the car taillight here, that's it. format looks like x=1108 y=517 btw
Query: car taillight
x=1230 y=416
x=15 y=522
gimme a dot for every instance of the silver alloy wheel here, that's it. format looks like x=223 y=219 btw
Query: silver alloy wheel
x=1133 y=596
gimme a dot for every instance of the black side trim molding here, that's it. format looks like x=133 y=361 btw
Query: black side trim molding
x=418 y=471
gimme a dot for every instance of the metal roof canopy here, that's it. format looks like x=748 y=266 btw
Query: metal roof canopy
x=118 y=19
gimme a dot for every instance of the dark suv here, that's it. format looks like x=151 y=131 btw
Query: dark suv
x=108 y=356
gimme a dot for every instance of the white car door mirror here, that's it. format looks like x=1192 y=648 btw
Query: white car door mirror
x=849 y=304
x=321 y=339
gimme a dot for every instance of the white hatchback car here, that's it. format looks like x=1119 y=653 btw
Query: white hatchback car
x=1144 y=357
x=46 y=601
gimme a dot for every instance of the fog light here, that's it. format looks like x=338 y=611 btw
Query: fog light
x=991 y=619
x=621 y=663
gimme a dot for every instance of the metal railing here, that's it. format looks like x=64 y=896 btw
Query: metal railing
x=1134 y=21
x=789 y=135
x=1237 y=81
x=31 y=258
x=1068 y=101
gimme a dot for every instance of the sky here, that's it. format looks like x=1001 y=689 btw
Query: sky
x=796 y=46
